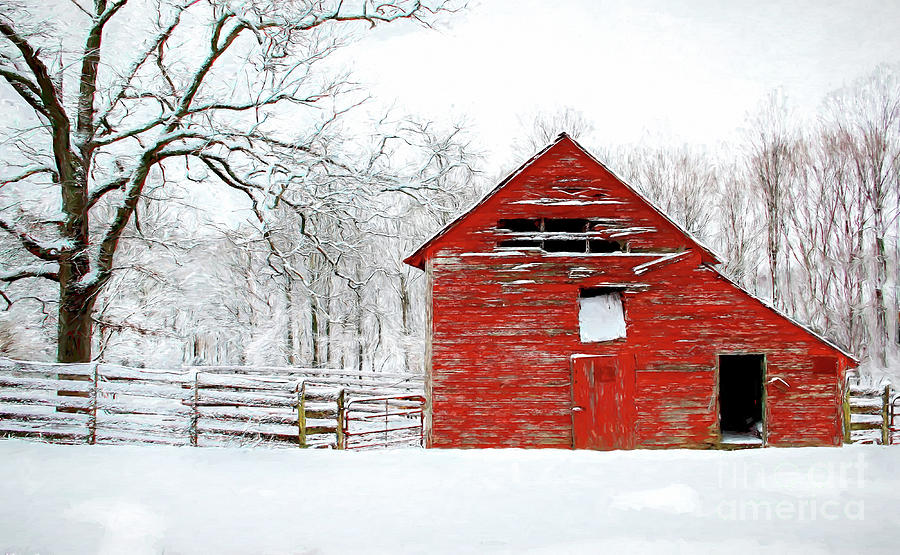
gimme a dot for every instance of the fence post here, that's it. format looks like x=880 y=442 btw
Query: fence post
x=92 y=420
x=886 y=416
x=847 y=417
x=422 y=423
x=195 y=411
x=339 y=430
x=301 y=416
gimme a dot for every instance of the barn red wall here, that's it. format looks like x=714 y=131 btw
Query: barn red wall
x=505 y=324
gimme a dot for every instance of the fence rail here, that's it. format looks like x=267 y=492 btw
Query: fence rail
x=870 y=415
x=198 y=406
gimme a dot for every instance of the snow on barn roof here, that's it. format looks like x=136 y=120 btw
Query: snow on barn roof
x=417 y=259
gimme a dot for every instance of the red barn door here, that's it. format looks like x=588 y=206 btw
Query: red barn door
x=603 y=402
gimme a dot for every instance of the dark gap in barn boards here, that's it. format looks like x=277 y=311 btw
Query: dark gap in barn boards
x=602 y=245
x=741 y=395
x=565 y=245
x=519 y=244
x=587 y=292
x=520 y=225
x=565 y=225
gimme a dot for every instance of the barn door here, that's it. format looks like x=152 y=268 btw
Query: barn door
x=603 y=403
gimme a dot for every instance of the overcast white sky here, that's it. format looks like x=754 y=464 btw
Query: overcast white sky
x=686 y=71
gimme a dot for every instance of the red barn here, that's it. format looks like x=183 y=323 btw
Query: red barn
x=567 y=311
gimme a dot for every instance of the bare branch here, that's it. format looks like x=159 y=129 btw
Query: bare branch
x=26 y=89
x=51 y=106
x=141 y=330
x=154 y=45
x=48 y=94
x=15 y=77
x=28 y=173
x=32 y=245
x=80 y=7
x=47 y=271
x=115 y=184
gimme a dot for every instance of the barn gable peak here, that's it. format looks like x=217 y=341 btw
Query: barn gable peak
x=562 y=158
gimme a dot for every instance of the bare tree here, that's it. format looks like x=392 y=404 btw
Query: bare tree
x=771 y=167
x=737 y=235
x=544 y=127
x=205 y=86
x=867 y=117
x=332 y=248
x=679 y=180
x=842 y=254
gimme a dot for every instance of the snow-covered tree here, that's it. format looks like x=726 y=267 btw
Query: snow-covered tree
x=124 y=93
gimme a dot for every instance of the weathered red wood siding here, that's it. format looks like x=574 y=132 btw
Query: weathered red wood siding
x=505 y=325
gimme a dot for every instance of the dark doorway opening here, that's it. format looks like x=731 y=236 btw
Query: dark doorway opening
x=741 y=396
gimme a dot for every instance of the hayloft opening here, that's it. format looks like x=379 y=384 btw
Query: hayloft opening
x=741 y=396
x=564 y=235
x=600 y=315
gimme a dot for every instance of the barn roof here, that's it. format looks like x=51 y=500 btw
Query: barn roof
x=417 y=259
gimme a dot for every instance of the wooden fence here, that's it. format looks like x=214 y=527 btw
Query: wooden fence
x=200 y=406
x=869 y=415
x=267 y=406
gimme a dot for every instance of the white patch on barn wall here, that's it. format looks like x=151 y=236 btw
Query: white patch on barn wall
x=579 y=272
x=601 y=318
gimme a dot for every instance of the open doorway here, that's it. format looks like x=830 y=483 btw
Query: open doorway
x=741 y=398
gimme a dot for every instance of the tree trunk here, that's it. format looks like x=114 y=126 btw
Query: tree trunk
x=74 y=334
x=290 y=348
x=76 y=302
x=75 y=329
x=360 y=348
x=404 y=312
x=881 y=332
x=773 y=246
x=325 y=336
x=314 y=331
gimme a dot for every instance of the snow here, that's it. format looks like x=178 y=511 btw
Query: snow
x=623 y=232
x=527 y=267
x=641 y=268
x=865 y=418
x=875 y=402
x=556 y=202
x=675 y=498
x=133 y=499
x=741 y=438
x=601 y=318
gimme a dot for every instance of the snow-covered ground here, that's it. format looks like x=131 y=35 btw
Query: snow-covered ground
x=131 y=499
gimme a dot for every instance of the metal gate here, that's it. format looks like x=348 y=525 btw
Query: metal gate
x=382 y=421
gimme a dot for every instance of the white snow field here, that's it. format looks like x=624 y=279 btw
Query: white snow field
x=134 y=499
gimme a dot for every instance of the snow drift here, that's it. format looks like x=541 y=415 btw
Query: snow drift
x=130 y=499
